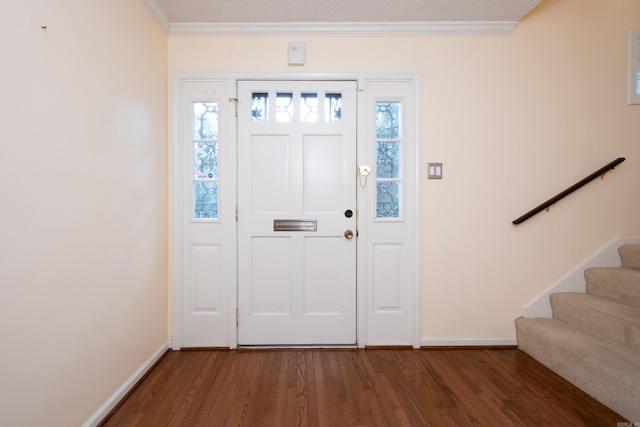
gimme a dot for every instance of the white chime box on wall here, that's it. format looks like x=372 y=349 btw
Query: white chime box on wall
x=296 y=53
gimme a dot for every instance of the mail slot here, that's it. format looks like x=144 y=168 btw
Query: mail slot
x=295 y=225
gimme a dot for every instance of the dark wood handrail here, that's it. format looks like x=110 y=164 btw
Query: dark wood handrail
x=565 y=193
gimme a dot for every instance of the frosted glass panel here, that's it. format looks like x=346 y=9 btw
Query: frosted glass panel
x=388 y=120
x=205 y=120
x=388 y=159
x=259 y=106
x=388 y=200
x=638 y=64
x=309 y=107
x=204 y=164
x=284 y=107
x=205 y=195
x=333 y=107
x=634 y=68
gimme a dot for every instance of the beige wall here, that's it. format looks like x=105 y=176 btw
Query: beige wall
x=515 y=120
x=83 y=204
x=83 y=176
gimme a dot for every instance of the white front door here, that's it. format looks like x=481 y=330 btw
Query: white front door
x=296 y=212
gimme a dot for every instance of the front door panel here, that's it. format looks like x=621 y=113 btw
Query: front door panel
x=296 y=181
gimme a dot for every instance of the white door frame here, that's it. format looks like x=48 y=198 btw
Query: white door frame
x=412 y=195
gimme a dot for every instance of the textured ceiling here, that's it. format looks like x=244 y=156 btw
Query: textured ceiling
x=264 y=11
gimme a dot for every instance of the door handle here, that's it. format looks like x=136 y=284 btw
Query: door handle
x=348 y=234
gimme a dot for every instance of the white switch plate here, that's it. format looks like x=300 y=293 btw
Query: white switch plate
x=296 y=53
x=434 y=171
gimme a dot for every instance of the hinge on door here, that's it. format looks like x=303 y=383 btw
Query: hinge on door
x=237 y=317
x=235 y=100
x=236 y=212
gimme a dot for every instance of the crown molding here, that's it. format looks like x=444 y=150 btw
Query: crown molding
x=157 y=14
x=326 y=29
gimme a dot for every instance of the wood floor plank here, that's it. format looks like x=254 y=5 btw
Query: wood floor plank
x=349 y=387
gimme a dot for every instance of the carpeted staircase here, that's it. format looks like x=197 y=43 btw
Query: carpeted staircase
x=593 y=339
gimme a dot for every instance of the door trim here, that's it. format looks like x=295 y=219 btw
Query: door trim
x=413 y=217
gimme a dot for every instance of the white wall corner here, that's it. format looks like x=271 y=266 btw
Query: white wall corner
x=125 y=388
x=157 y=14
x=468 y=342
x=574 y=281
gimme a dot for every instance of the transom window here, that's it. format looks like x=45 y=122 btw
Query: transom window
x=306 y=107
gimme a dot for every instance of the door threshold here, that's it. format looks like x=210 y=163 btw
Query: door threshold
x=298 y=347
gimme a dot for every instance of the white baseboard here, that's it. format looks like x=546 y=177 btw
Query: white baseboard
x=573 y=281
x=125 y=388
x=468 y=342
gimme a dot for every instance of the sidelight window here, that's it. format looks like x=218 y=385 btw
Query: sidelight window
x=388 y=159
x=205 y=160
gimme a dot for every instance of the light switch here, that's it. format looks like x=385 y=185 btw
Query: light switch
x=434 y=171
x=296 y=53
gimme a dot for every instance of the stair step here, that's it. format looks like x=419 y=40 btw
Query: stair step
x=630 y=256
x=614 y=323
x=618 y=284
x=603 y=371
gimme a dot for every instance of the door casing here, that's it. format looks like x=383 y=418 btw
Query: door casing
x=363 y=286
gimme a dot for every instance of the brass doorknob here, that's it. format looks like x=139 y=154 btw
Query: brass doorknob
x=348 y=234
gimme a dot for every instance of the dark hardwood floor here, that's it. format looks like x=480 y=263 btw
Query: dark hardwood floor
x=348 y=387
